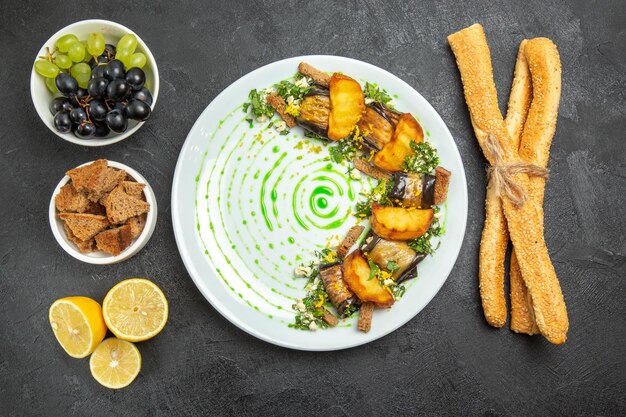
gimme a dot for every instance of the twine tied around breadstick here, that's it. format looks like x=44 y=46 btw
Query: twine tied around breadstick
x=500 y=175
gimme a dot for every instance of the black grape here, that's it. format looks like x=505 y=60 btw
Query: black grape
x=137 y=110
x=136 y=78
x=143 y=95
x=116 y=121
x=66 y=84
x=62 y=122
x=118 y=90
x=97 y=87
x=97 y=110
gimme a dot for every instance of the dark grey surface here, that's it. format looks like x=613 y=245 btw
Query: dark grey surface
x=447 y=360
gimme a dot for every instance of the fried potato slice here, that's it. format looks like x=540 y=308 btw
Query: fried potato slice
x=399 y=223
x=356 y=273
x=394 y=153
x=347 y=105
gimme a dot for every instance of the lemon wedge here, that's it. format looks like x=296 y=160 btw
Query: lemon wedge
x=135 y=310
x=78 y=325
x=115 y=363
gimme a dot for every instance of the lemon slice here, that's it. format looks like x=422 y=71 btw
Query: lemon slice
x=78 y=325
x=135 y=310
x=115 y=363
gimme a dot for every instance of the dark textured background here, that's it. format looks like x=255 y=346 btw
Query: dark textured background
x=447 y=360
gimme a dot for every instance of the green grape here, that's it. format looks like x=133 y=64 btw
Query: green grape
x=83 y=79
x=124 y=55
x=87 y=56
x=63 y=61
x=52 y=86
x=80 y=68
x=65 y=41
x=76 y=52
x=95 y=44
x=46 y=68
x=128 y=42
x=137 y=60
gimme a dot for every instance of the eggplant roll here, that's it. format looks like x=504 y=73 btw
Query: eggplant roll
x=340 y=295
x=376 y=125
x=391 y=115
x=381 y=252
x=315 y=111
x=413 y=190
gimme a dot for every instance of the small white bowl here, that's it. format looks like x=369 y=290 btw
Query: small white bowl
x=112 y=32
x=99 y=257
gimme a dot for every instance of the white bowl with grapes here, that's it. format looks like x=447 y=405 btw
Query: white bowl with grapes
x=94 y=83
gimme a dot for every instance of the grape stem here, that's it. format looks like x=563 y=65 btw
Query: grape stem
x=49 y=55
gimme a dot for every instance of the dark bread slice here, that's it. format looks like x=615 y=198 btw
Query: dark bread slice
x=84 y=226
x=136 y=224
x=442 y=181
x=114 y=241
x=330 y=318
x=349 y=241
x=371 y=170
x=319 y=77
x=85 y=179
x=70 y=200
x=112 y=178
x=279 y=105
x=134 y=189
x=121 y=206
x=96 y=208
x=365 y=317
x=83 y=245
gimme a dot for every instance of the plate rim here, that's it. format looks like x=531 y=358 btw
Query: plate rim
x=214 y=301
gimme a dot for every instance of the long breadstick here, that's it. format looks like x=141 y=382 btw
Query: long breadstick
x=474 y=61
x=495 y=236
x=522 y=315
x=522 y=318
x=545 y=69
x=520 y=98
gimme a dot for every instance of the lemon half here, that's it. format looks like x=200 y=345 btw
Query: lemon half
x=115 y=363
x=135 y=310
x=78 y=325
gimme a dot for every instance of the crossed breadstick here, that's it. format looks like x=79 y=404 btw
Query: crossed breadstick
x=524 y=138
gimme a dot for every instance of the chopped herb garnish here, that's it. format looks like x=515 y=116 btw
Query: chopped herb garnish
x=376 y=94
x=250 y=123
x=344 y=150
x=398 y=291
x=424 y=159
x=424 y=244
x=363 y=209
x=378 y=194
x=392 y=266
x=257 y=105
x=287 y=89
x=374 y=269
x=313 y=135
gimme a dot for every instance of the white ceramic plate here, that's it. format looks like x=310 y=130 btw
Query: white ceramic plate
x=248 y=205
